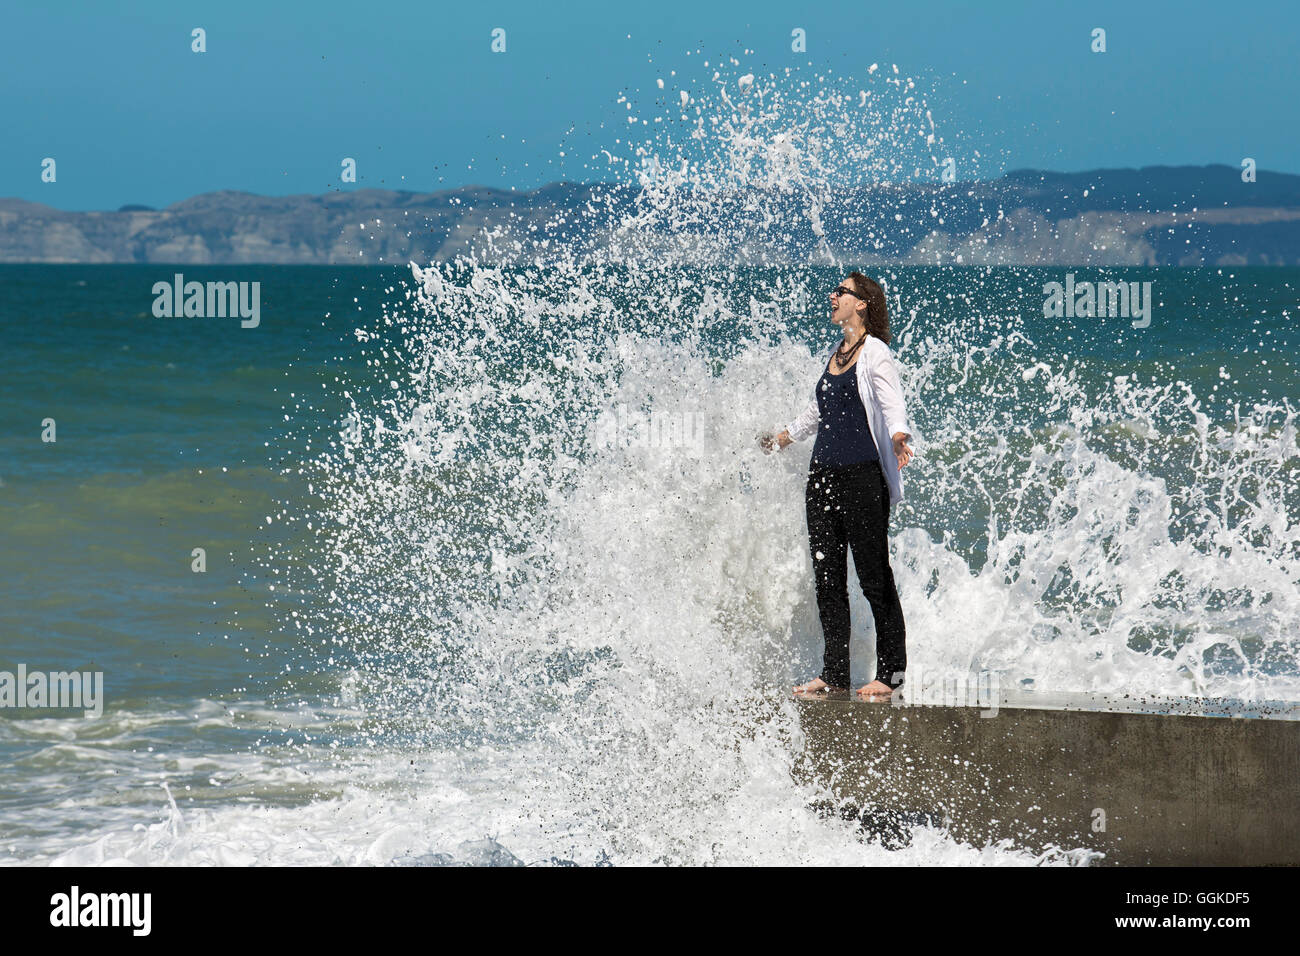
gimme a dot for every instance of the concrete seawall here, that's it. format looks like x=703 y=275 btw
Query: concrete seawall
x=1159 y=782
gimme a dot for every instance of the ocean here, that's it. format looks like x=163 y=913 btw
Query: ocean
x=494 y=571
x=479 y=561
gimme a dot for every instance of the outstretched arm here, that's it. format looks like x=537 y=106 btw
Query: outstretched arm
x=805 y=424
x=797 y=430
x=889 y=392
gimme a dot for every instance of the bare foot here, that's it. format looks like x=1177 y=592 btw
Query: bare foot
x=876 y=690
x=814 y=686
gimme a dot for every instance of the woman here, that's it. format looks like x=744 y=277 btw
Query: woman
x=853 y=478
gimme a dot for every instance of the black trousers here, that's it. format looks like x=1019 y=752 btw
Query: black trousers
x=848 y=507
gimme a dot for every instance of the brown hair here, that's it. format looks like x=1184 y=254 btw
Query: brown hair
x=877 y=317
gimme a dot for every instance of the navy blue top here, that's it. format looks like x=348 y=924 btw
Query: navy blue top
x=843 y=436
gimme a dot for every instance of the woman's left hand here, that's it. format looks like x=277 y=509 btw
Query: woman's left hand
x=900 y=448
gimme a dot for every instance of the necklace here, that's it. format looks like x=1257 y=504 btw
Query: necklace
x=843 y=358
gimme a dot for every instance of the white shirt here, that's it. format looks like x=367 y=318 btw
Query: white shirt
x=882 y=398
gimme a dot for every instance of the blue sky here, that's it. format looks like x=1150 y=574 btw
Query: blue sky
x=412 y=91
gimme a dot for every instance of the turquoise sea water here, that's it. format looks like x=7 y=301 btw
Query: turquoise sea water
x=1113 y=505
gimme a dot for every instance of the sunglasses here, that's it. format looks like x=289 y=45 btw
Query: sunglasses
x=845 y=290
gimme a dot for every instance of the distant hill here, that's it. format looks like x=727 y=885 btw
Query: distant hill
x=1157 y=215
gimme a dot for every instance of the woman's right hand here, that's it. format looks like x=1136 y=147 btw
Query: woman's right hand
x=770 y=443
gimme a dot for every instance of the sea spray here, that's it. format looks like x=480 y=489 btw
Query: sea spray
x=614 y=624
